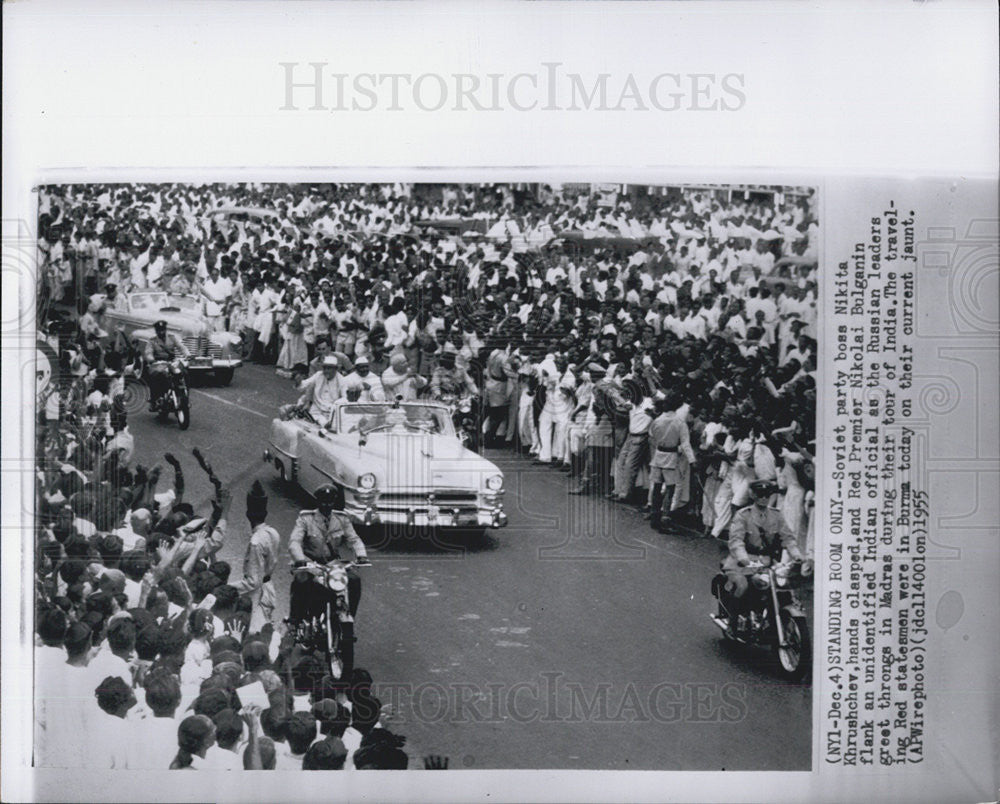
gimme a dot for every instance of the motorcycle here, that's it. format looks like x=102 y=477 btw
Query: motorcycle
x=175 y=398
x=775 y=618
x=467 y=419
x=331 y=631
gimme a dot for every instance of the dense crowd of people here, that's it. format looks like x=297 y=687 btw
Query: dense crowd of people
x=148 y=654
x=658 y=346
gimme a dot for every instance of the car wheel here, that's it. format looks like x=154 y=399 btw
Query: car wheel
x=225 y=376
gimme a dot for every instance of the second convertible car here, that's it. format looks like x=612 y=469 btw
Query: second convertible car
x=399 y=463
x=211 y=352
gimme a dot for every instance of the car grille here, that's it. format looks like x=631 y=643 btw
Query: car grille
x=445 y=499
x=202 y=347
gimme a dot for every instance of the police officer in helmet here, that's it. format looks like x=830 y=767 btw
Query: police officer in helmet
x=758 y=533
x=160 y=350
x=319 y=535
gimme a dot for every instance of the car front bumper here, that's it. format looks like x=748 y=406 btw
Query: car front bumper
x=444 y=517
x=213 y=363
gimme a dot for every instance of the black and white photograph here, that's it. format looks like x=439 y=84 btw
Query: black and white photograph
x=587 y=401
x=387 y=476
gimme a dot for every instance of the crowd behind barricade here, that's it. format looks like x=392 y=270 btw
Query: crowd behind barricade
x=658 y=347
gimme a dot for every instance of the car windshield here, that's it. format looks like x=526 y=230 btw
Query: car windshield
x=182 y=302
x=155 y=302
x=148 y=301
x=407 y=418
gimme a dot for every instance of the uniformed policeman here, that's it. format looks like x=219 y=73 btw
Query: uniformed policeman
x=669 y=439
x=757 y=533
x=161 y=349
x=260 y=561
x=318 y=536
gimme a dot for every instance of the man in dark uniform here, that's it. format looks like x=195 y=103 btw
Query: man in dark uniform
x=318 y=535
x=757 y=533
x=163 y=348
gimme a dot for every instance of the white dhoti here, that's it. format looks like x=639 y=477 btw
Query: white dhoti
x=264 y=325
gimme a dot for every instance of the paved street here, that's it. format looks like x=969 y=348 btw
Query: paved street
x=574 y=638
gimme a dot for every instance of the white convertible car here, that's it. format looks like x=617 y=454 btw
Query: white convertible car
x=398 y=464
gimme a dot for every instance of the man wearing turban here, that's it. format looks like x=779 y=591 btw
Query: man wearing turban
x=260 y=561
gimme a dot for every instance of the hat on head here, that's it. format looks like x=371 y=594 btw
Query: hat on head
x=331 y=361
x=361 y=361
x=256 y=498
x=762 y=487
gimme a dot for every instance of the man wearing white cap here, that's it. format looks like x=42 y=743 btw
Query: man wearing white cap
x=322 y=390
x=369 y=385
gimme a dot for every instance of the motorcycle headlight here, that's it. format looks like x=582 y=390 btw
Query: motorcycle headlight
x=366 y=481
x=494 y=482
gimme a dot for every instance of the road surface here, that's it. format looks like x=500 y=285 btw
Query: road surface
x=576 y=637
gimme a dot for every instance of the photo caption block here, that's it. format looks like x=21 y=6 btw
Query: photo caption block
x=875 y=554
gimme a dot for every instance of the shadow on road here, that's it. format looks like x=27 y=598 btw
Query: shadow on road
x=450 y=544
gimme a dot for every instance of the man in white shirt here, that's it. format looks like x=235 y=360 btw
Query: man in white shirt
x=116 y=656
x=635 y=450
x=158 y=725
x=555 y=413
x=301 y=732
x=216 y=291
x=693 y=324
x=137 y=268
x=227 y=752
x=368 y=385
x=322 y=390
x=108 y=734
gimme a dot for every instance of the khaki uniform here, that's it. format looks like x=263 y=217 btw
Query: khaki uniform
x=259 y=564
x=319 y=539
x=756 y=533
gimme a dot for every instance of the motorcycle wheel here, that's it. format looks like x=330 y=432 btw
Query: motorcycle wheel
x=795 y=658
x=346 y=647
x=184 y=416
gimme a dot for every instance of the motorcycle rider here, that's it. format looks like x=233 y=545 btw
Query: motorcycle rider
x=318 y=536
x=160 y=350
x=758 y=532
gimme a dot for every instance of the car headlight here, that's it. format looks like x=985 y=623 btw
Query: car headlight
x=494 y=482
x=366 y=481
